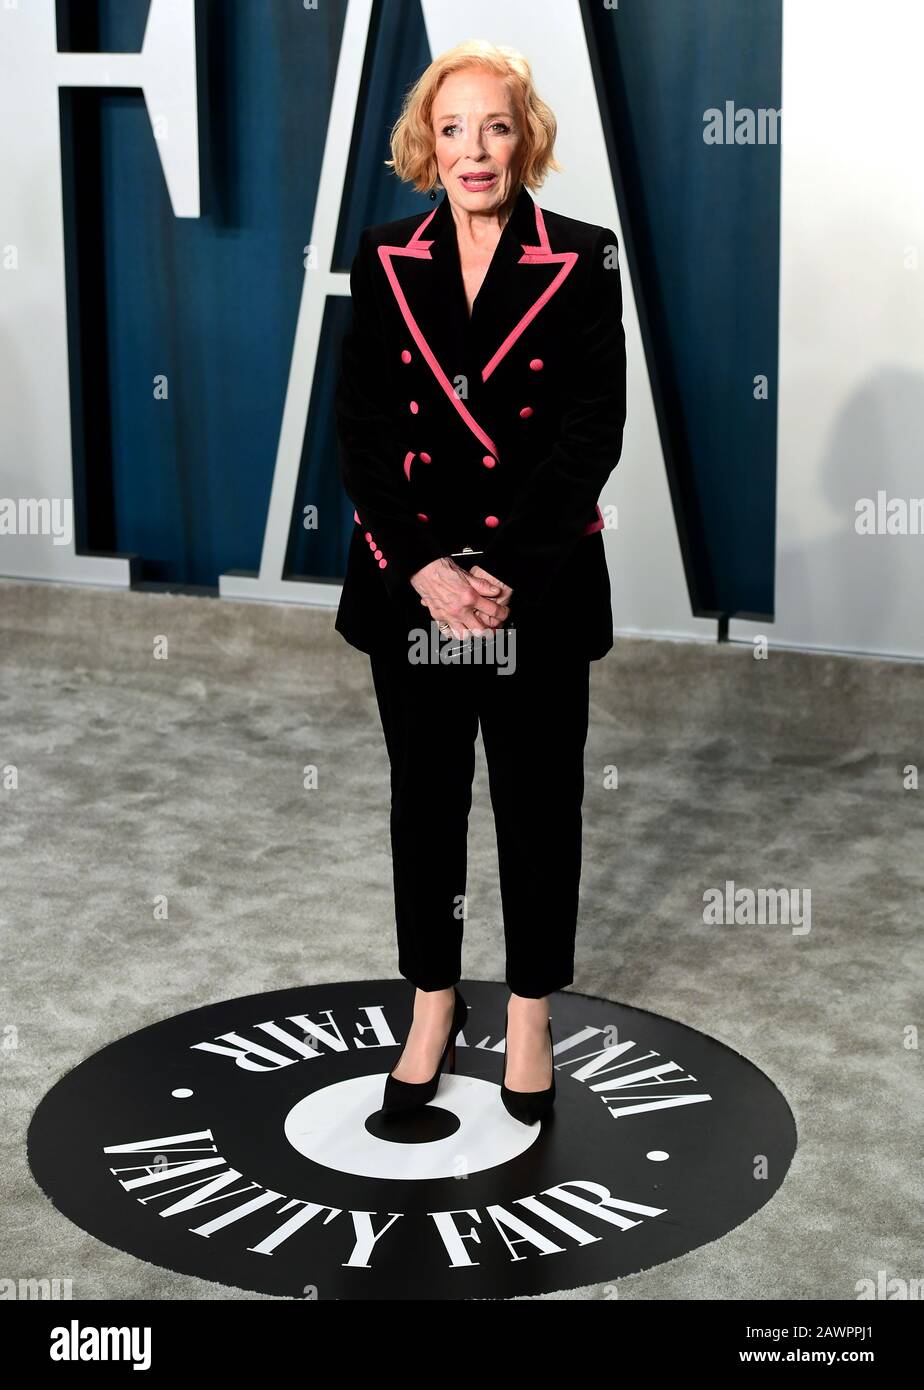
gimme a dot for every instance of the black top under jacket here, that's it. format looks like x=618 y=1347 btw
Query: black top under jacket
x=495 y=432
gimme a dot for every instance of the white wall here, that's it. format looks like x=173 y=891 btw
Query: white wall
x=851 y=368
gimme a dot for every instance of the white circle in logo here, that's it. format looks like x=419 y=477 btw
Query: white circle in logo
x=329 y=1127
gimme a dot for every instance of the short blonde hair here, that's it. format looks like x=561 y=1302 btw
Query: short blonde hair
x=413 y=144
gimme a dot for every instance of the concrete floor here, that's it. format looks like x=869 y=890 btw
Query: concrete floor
x=139 y=777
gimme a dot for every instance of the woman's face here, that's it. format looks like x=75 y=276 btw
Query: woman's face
x=477 y=140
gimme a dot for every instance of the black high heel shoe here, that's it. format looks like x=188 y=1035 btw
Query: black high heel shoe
x=528 y=1106
x=402 y=1096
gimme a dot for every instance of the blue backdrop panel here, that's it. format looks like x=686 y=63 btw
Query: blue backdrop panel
x=702 y=227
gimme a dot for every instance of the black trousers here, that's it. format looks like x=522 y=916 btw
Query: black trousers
x=534 y=727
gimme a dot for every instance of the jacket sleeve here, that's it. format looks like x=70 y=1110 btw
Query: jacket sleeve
x=370 y=454
x=556 y=502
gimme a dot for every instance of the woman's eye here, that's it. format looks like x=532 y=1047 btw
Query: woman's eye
x=499 y=127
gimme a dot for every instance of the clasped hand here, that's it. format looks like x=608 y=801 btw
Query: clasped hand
x=471 y=602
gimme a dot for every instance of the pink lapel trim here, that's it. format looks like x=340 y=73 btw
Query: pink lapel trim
x=421 y=250
x=542 y=254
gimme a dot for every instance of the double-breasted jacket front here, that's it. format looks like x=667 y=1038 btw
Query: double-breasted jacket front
x=491 y=432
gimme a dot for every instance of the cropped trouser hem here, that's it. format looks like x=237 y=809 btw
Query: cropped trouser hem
x=537 y=989
x=525 y=989
x=428 y=983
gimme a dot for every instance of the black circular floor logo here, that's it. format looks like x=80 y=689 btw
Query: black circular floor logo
x=243 y=1143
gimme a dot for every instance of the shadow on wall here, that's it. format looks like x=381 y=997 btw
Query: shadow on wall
x=837 y=587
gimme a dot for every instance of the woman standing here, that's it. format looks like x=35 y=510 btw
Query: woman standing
x=480 y=410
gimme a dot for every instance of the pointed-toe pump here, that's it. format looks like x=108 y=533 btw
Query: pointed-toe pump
x=528 y=1106
x=402 y=1096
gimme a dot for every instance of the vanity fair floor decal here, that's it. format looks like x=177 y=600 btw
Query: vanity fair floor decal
x=241 y=1142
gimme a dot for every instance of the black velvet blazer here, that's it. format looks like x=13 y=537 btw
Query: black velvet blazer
x=494 y=432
